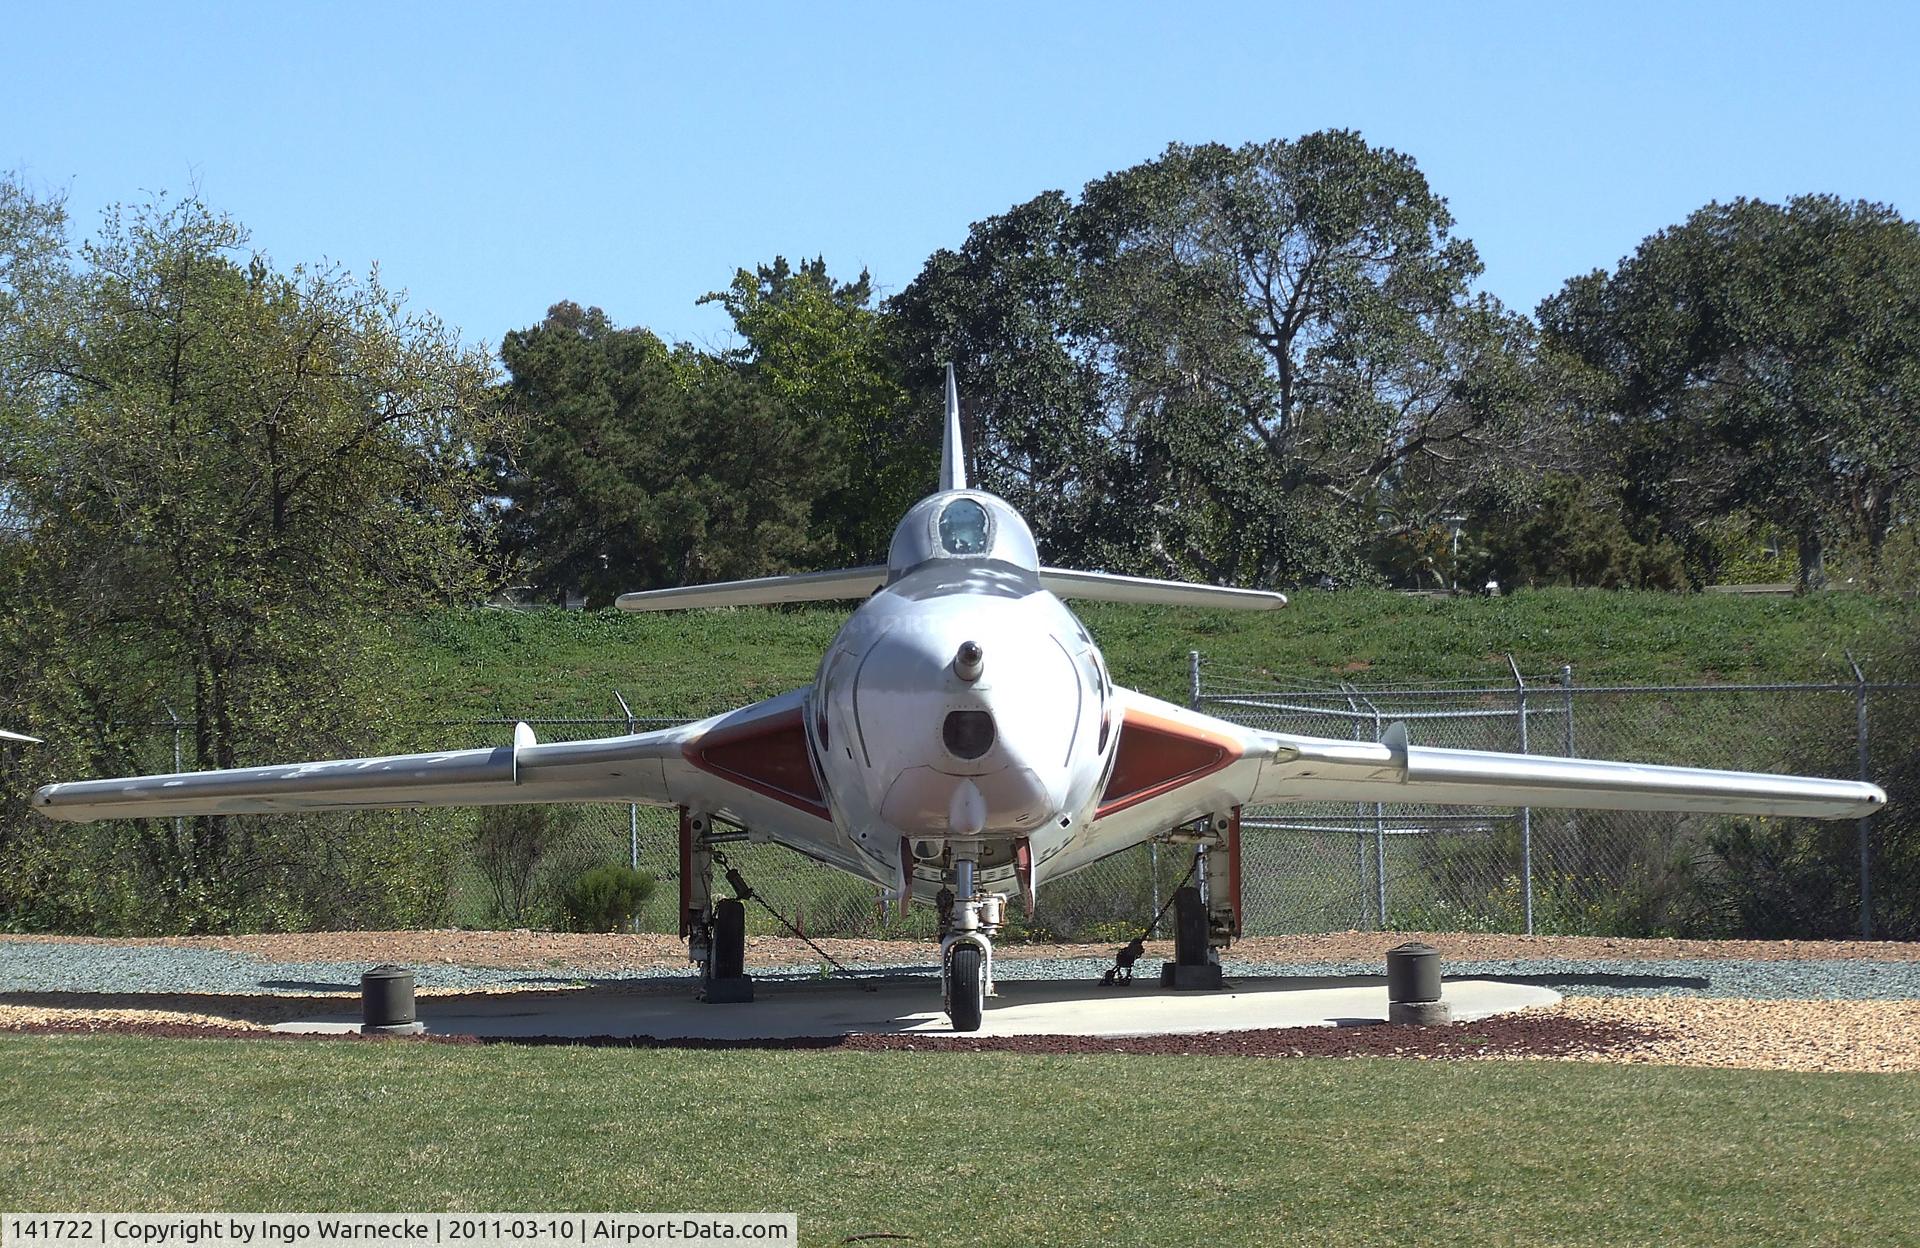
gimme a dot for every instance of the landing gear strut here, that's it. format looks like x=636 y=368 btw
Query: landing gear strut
x=1206 y=916
x=715 y=931
x=968 y=920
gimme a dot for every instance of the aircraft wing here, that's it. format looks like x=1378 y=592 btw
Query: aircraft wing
x=1174 y=764
x=1313 y=769
x=625 y=769
x=751 y=765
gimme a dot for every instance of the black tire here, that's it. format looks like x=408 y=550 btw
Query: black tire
x=1189 y=928
x=966 y=993
x=729 y=940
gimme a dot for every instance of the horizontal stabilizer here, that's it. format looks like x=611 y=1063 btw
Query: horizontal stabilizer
x=14 y=736
x=761 y=590
x=1108 y=587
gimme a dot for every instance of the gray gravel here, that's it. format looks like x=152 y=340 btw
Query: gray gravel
x=92 y=968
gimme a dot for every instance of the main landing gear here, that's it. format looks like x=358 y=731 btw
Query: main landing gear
x=715 y=930
x=1206 y=913
x=968 y=920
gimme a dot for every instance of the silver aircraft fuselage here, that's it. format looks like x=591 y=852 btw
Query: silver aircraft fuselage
x=922 y=752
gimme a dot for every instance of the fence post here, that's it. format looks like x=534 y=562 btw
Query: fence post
x=178 y=724
x=1379 y=829
x=1526 y=813
x=1566 y=685
x=1359 y=813
x=1572 y=840
x=633 y=809
x=1866 y=773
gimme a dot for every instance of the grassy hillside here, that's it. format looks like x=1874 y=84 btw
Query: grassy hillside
x=549 y=662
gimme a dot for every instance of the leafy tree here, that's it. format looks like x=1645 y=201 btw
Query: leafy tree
x=821 y=349
x=1759 y=358
x=224 y=479
x=643 y=466
x=1005 y=310
x=1271 y=346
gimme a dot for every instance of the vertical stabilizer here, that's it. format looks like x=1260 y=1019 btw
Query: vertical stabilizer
x=953 y=454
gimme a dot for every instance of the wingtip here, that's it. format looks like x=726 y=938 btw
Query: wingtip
x=42 y=803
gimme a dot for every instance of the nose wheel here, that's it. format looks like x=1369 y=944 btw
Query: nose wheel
x=966 y=987
x=968 y=920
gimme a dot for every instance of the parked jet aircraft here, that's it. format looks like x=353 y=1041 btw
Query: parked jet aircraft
x=962 y=744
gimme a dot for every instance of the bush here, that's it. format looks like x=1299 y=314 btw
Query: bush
x=604 y=899
x=509 y=844
x=1570 y=533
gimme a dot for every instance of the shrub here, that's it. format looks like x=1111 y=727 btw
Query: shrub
x=604 y=899
x=509 y=844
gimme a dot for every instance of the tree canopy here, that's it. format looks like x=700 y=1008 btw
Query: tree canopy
x=642 y=465
x=221 y=479
x=1761 y=358
x=1234 y=360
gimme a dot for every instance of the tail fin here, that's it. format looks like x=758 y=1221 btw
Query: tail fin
x=953 y=453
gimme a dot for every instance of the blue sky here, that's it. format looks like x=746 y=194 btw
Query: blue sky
x=496 y=158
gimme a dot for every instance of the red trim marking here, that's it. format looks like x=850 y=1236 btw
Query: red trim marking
x=1157 y=755
x=769 y=756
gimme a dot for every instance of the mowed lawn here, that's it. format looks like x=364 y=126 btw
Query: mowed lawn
x=981 y=1148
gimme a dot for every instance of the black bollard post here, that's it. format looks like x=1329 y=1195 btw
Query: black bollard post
x=1413 y=985
x=386 y=1003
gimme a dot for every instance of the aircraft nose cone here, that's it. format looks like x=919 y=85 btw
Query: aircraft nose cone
x=966 y=810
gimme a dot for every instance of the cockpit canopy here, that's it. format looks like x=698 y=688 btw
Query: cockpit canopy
x=962 y=524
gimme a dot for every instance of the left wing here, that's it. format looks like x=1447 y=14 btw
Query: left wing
x=1175 y=764
x=751 y=765
x=626 y=769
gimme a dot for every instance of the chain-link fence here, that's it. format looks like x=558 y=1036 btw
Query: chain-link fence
x=1325 y=866
x=1319 y=866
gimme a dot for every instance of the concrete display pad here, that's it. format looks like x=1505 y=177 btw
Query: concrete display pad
x=794 y=1009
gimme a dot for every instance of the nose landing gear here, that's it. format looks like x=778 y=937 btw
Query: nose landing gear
x=968 y=920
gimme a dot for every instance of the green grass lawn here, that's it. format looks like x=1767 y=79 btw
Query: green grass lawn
x=549 y=662
x=988 y=1149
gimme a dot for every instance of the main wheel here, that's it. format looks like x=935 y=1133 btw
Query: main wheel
x=729 y=940
x=966 y=988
